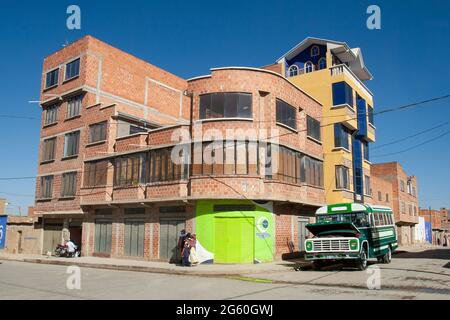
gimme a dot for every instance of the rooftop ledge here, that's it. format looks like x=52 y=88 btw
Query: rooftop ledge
x=257 y=70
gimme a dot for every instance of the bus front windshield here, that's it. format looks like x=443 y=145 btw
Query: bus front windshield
x=359 y=219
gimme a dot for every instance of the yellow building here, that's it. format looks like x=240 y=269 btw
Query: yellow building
x=334 y=73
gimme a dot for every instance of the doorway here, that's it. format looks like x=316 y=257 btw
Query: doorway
x=168 y=239
x=52 y=237
x=303 y=233
x=234 y=240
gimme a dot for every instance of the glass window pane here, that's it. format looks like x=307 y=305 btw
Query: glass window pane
x=231 y=105
x=245 y=105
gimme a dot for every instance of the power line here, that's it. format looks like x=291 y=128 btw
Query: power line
x=322 y=126
x=413 y=147
x=411 y=136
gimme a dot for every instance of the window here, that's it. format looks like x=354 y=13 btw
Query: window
x=95 y=173
x=359 y=219
x=137 y=129
x=51 y=114
x=410 y=209
x=315 y=51
x=311 y=171
x=322 y=63
x=308 y=67
x=158 y=166
x=368 y=189
x=342 y=94
x=365 y=150
x=292 y=166
x=134 y=210
x=74 y=106
x=402 y=186
x=128 y=170
x=227 y=158
x=387 y=197
x=51 y=79
x=409 y=187
x=71 y=143
x=370 y=114
x=97 y=132
x=226 y=105
x=73 y=69
x=69 y=184
x=46 y=187
x=342 y=178
x=286 y=114
x=379 y=196
x=313 y=128
x=48 y=153
x=293 y=71
x=414 y=191
x=341 y=136
x=402 y=207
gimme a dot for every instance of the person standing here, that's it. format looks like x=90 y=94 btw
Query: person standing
x=180 y=244
x=186 y=251
x=193 y=259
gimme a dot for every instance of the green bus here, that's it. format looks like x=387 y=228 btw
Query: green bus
x=351 y=233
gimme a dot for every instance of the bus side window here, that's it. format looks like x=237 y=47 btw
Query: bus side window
x=384 y=219
x=376 y=219
x=390 y=219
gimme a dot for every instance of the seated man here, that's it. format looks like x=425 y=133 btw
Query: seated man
x=71 y=247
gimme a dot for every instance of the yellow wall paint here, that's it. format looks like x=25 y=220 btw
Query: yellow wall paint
x=318 y=84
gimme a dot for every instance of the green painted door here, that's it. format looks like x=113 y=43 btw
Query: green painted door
x=234 y=240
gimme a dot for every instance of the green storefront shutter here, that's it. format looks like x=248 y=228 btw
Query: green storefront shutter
x=234 y=241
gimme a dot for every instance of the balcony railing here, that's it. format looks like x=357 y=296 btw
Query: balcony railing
x=300 y=71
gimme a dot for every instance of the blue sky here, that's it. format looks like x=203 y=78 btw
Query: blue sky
x=409 y=58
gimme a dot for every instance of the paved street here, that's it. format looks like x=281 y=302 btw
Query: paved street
x=411 y=275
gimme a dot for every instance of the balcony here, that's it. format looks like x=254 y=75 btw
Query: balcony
x=342 y=71
x=370 y=132
x=343 y=113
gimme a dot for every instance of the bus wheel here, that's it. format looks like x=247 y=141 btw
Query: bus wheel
x=387 y=256
x=361 y=263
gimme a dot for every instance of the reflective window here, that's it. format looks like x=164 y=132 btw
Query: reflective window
x=226 y=105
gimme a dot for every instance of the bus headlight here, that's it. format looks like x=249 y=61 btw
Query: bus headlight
x=353 y=244
x=308 y=245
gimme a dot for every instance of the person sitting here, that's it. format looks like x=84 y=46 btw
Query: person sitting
x=71 y=247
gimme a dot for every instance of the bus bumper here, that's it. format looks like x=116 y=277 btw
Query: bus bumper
x=331 y=256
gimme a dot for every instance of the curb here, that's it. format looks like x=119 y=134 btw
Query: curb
x=184 y=271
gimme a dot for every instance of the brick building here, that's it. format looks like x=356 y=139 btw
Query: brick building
x=439 y=223
x=131 y=154
x=382 y=191
x=404 y=199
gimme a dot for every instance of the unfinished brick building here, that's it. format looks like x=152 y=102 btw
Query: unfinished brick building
x=247 y=173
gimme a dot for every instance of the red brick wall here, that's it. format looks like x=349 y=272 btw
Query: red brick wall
x=394 y=173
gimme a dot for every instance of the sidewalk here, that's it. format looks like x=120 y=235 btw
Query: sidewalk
x=155 y=266
x=164 y=267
